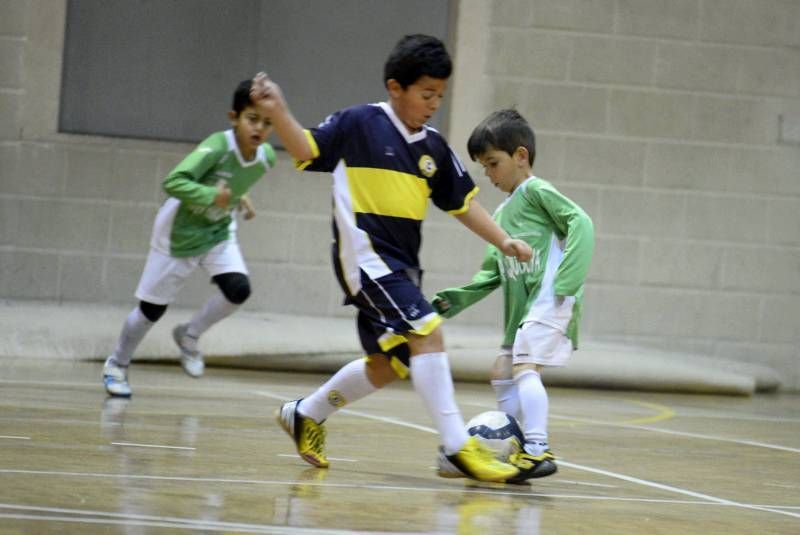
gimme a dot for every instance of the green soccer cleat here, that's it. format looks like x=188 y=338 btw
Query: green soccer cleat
x=308 y=435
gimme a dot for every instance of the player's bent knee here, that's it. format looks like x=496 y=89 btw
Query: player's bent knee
x=379 y=371
x=234 y=286
x=519 y=368
x=502 y=369
x=431 y=343
x=152 y=311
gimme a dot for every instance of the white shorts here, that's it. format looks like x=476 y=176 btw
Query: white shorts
x=164 y=275
x=537 y=343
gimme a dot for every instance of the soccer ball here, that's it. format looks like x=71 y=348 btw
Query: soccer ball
x=499 y=431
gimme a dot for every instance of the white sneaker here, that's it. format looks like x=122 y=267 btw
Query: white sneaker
x=191 y=359
x=115 y=379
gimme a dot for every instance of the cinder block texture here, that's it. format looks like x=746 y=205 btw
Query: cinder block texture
x=14 y=21
x=11 y=63
x=660 y=118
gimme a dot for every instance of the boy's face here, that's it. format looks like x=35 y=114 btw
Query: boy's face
x=252 y=128
x=416 y=104
x=506 y=171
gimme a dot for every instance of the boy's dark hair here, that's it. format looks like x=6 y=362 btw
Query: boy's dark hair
x=241 y=97
x=502 y=130
x=415 y=56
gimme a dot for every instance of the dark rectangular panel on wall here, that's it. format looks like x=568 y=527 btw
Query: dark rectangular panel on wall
x=328 y=55
x=154 y=69
x=166 y=69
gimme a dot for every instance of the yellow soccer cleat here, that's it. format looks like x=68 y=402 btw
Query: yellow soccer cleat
x=308 y=435
x=533 y=466
x=475 y=461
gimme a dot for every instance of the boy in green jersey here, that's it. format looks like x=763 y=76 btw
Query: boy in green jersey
x=542 y=297
x=193 y=228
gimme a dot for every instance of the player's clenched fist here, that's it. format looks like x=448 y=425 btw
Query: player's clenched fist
x=518 y=249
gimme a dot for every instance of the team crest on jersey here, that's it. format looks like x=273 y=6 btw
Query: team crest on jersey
x=427 y=166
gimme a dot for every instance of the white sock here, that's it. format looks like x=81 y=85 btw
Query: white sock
x=430 y=375
x=534 y=405
x=133 y=331
x=505 y=390
x=217 y=308
x=349 y=384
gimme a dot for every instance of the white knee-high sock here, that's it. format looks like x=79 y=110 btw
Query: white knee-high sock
x=430 y=375
x=349 y=384
x=505 y=390
x=133 y=332
x=216 y=309
x=534 y=405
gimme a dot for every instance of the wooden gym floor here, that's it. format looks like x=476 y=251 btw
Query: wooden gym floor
x=187 y=455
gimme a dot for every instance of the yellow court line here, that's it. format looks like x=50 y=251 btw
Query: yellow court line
x=662 y=413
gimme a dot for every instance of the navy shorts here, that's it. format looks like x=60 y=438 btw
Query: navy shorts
x=388 y=308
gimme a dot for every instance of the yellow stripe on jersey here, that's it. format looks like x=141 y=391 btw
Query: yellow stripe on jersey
x=465 y=206
x=389 y=193
x=314 y=151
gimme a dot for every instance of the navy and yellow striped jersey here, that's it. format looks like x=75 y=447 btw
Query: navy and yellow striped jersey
x=383 y=176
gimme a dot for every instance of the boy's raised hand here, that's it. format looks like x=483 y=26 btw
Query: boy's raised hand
x=266 y=93
x=518 y=249
x=247 y=208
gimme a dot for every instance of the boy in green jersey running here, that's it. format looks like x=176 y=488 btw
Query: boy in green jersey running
x=542 y=297
x=193 y=228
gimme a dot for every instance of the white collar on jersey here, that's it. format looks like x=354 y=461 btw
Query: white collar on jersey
x=409 y=136
x=518 y=188
x=521 y=184
x=259 y=157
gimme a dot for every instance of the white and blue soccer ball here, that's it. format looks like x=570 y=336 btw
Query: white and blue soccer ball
x=499 y=431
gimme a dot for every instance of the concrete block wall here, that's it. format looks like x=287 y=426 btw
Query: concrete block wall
x=661 y=117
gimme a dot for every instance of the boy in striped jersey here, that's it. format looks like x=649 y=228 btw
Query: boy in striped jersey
x=386 y=163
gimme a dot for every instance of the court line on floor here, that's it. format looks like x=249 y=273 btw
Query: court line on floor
x=630 y=479
x=693 y=412
x=492 y=489
x=131 y=519
x=678 y=433
x=661 y=415
x=720 y=501
x=295 y=456
x=152 y=446
x=12 y=437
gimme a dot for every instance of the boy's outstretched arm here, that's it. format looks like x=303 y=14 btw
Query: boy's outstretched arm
x=451 y=301
x=481 y=223
x=268 y=96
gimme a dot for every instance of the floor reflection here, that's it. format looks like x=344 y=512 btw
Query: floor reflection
x=134 y=454
x=479 y=513
x=298 y=506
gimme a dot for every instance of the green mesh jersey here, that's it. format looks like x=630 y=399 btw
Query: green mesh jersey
x=188 y=223
x=562 y=238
